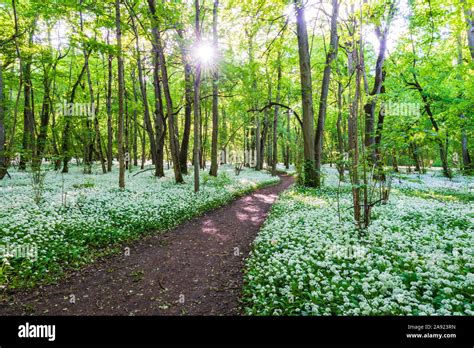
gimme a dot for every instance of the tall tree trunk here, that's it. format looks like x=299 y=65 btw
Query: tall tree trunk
x=275 y=118
x=188 y=99
x=44 y=120
x=127 y=132
x=467 y=165
x=3 y=156
x=94 y=109
x=135 y=121
x=443 y=148
x=121 y=93
x=160 y=121
x=66 y=141
x=143 y=138
x=340 y=134
x=354 y=65
x=378 y=136
x=469 y=17
x=28 y=117
x=307 y=95
x=25 y=79
x=370 y=106
x=158 y=51
x=223 y=136
x=159 y=171
x=287 y=139
x=109 y=110
x=330 y=56
x=215 y=91
x=197 y=94
x=264 y=139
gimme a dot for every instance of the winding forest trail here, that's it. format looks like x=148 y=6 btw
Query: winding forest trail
x=194 y=269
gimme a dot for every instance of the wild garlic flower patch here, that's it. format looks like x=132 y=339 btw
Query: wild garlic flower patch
x=82 y=213
x=416 y=257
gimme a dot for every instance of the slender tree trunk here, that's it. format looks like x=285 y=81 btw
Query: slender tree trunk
x=307 y=95
x=443 y=148
x=127 y=132
x=469 y=18
x=330 y=56
x=3 y=156
x=467 y=165
x=159 y=172
x=25 y=79
x=369 y=108
x=215 y=91
x=158 y=48
x=354 y=65
x=143 y=138
x=94 y=109
x=394 y=161
x=109 y=110
x=121 y=93
x=275 y=118
x=378 y=136
x=188 y=99
x=44 y=120
x=264 y=139
x=223 y=136
x=135 y=121
x=287 y=139
x=66 y=141
x=340 y=134
x=197 y=92
x=28 y=118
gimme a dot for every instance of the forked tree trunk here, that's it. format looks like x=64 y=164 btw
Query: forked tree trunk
x=307 y=95
x=172 y=130
x=330 y=56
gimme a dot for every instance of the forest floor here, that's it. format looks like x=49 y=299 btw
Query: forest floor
x=193 y=269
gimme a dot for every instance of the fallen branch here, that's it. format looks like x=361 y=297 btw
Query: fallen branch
x=143 y=171
x=269 y=105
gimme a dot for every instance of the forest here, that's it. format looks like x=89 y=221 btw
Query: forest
x=316 y=155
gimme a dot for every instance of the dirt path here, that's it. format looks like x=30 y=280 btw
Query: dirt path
x=194 y=269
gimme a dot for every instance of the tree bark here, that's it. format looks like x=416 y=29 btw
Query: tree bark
x=159 y=172
x=109 y=110
x=275 y=118
x=443 y=149
x=309 y=171
x=215 y=97
x=158 y=51
x=3 y=156
x=121 y=93
x=197 y=92
x=66 y=141
x=188 y=99
x=467 y=165
x=469 y=17
x=354 y=64
x=330 y=56
x=369 y=108
x=340 y=134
